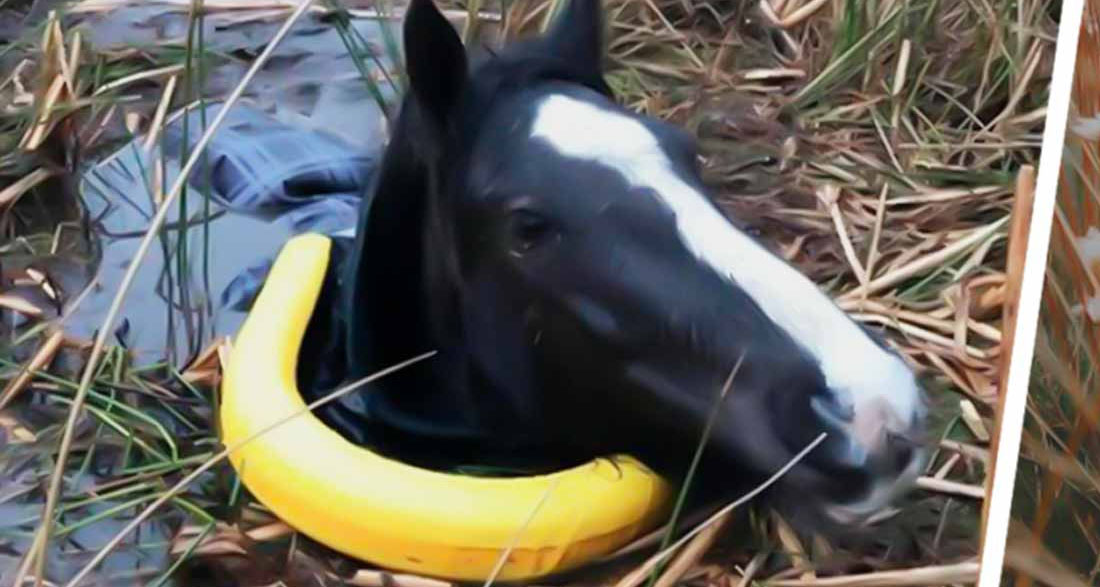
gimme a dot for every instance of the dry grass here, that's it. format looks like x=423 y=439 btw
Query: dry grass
x=874 y=144
x=1054 y=539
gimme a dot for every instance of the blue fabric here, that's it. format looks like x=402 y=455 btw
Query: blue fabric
x=268 y=181
x=261 y=164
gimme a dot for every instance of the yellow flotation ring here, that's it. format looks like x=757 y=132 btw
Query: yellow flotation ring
x=389 y=513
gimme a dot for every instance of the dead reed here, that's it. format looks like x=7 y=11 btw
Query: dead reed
x=1053 y=540
x=875 y=144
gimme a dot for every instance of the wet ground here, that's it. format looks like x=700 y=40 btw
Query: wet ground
x=312 y=87
x=308 y=110
x=138 y=560
x=310 y=91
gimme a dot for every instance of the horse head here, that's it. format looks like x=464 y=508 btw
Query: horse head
x=585 y=294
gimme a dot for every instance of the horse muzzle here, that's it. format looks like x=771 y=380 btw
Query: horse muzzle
x=888 y=448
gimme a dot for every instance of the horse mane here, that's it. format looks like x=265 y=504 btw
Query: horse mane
x=400 y=286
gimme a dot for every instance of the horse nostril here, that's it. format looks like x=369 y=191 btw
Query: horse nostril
x=900 y=450
x=902 y=457
x=832 y=410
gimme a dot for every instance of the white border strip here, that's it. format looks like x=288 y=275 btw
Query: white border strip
x=1019 y=370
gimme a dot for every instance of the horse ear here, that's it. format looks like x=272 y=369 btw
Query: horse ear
x=435 y=59
x=576 y=35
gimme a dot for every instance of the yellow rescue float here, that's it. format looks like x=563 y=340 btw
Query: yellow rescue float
x=391 y=514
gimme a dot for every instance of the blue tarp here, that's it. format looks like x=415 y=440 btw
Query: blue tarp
x=268 y=181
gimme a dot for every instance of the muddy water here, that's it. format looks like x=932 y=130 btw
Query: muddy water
x=311 y=76
x=138 y=560
x=169 y=310
x=312 y=94
x=312 y=86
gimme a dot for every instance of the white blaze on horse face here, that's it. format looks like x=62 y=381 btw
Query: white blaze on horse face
x=853 y=364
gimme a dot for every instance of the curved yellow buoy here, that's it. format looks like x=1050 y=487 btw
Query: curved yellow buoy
x=392 y=514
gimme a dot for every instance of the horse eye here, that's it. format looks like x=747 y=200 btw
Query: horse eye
x=528 y=229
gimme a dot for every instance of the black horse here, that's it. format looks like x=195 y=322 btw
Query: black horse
x=586 y=297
